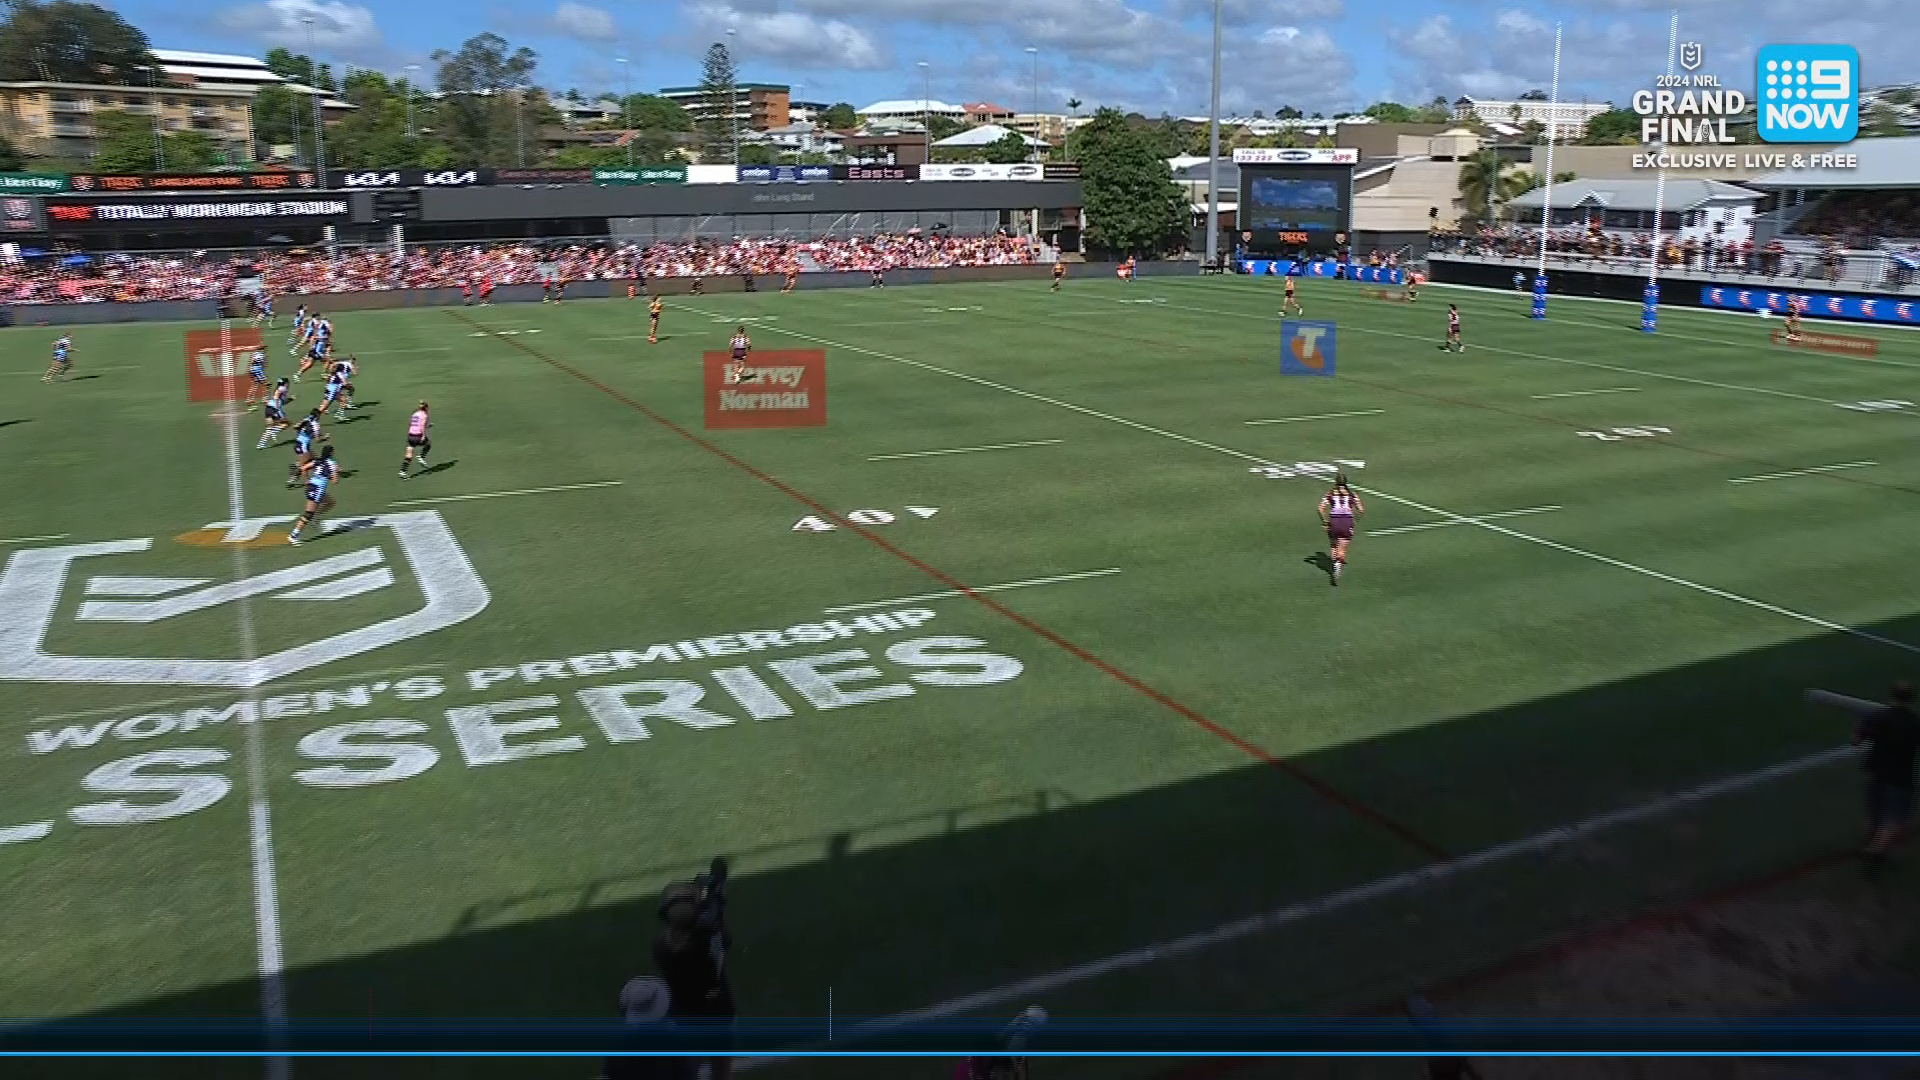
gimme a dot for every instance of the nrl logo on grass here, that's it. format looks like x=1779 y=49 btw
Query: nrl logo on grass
x=34 y=579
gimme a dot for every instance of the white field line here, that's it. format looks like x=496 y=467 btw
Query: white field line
x=142 y=706
x=1316 y=416
x=1587 y=393
x=967 y=449
x=1552 y=359
x=396 y=352
x=20 y=834
x=31 y=539
x=1027 y=990
x=1425 y=525
x=77 y=369
x=505 y=494
x=974 y=589
x=1433 y=511
x=1804 y=472
x=266 y=890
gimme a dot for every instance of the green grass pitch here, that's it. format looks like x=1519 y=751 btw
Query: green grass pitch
x=1172 y=723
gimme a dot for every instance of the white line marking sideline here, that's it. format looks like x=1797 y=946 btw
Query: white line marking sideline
x=1316 y=416
x=504 y=494
x=977 y=588
x=1759 y=605
x=31 y=539
x=1540 y=843
x=1588 y=393
x=968 y=449
x=1803 y=472
x=266 y=891
x=1476 y=519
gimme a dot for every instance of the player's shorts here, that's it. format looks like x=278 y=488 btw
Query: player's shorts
x=1888 y=804
x=303 y=446
x=259 y=377
x=316 y=493
x=416 y=440
x=275 y=414
x=1340 y=527
x=739 y=356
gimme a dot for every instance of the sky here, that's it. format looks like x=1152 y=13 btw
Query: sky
x=1150 y=56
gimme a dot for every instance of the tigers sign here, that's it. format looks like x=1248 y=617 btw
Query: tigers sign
x=768 y=390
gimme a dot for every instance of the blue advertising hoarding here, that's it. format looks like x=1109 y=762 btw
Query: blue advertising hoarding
x=1354 y=271
x=1816 y=305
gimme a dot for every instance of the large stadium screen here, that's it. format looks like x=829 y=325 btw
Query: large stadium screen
x=1296 y=208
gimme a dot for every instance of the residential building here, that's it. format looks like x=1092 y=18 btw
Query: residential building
x=1047 y=127
x=803 y=138
x=755 y=106
x=578 y=113
x=894 y=115
x=806 y=112
x=1568 y=119
x=51 y=119
x=982 y=136
x=1698 y=210
x=227 y=70
x=986 y=112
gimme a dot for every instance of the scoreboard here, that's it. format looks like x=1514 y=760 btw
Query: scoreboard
x=1295 y=201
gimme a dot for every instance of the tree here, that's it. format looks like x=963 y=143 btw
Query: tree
x=279 y=116
x=10 y=159
x=757 y=153
x=1287 y=112
x=1485 y=183
x=1073 y=105
x=1437 y=111
x=64 y=41
x=718 y=91
x=289 y=65
x=1132 y=204
x=124 y=143
x=484 y=110
x=942 y=127
x=840 y=117
x=1615 y=127
x=1391 y=112
x=655 y=113
x=1536 y=95
x=1325 y=142
x=1009 y=149
x=1881 y=122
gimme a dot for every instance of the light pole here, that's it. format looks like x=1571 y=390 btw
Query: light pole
x=159 y=143
x=319 y=142
x=1035 y=54
x=626 y=93
x=412 y=89
x=926 y=109
x=1213 y=151
x=733 y=98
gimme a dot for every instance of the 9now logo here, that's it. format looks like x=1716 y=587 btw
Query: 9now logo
x=1808 y=93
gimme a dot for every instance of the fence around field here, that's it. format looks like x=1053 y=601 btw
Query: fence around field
x=206 y=310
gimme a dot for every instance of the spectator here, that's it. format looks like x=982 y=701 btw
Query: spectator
x=644 y=1004
x=1890 y=736
x=690 y=952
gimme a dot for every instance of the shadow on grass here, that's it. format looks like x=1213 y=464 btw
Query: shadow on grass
x=891 y=921
x=431 y=469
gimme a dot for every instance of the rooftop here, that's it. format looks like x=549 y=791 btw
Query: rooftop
x=985 y=135
x=696 y=91
x=1884 y=163
x=912 y=107
x=1681 y=195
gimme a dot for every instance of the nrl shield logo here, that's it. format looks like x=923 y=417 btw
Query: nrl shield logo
x=1692 y=56
x=34 y=580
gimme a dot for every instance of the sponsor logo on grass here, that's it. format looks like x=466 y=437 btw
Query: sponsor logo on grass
x=769 y=390
x=217 y=363
x=34 y=580
x=545 y=720
x=1306 y=348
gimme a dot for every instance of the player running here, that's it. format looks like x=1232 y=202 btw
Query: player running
x=298 y=330
x=256 y=375
x=306 y=434
x=263 y=310
x=339 y=392
x=738 y=349
x=1059 y=272
x=1292 y=299
x=653 y=321
x=1793 y=320
x=1410 y=289
x=321 y=474
x=275 y=411
x=1337 y=510
x=417 y=441
x=792 y=279
x=62 y=359
x=1519 y=282
x=1453 y=331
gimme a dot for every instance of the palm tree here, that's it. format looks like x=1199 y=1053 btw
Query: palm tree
x=1484 y=182
x=1073 y=106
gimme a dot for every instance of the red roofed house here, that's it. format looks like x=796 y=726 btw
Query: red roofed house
x=986 y=112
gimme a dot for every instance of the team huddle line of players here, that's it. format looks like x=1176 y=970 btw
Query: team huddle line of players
x=314 y=460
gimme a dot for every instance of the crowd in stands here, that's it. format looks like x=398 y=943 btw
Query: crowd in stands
x=1863 y=219
x=1579 y=243
x=199 y=276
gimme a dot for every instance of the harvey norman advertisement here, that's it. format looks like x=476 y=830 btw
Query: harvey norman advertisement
x=137 y=213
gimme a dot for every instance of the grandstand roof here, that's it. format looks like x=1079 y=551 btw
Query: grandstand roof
x=985 y=135
x=1680 y=196
x=1884 y=163
x=913 y=107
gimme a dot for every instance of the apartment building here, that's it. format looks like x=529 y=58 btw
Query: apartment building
x=51 y=119
x=756 y=106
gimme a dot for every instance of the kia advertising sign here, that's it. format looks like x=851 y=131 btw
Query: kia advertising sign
x=366 y=179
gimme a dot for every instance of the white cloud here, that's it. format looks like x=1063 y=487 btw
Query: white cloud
x=794 y=38
x=584 y=23
x=339 y=28
x=1247 y=12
